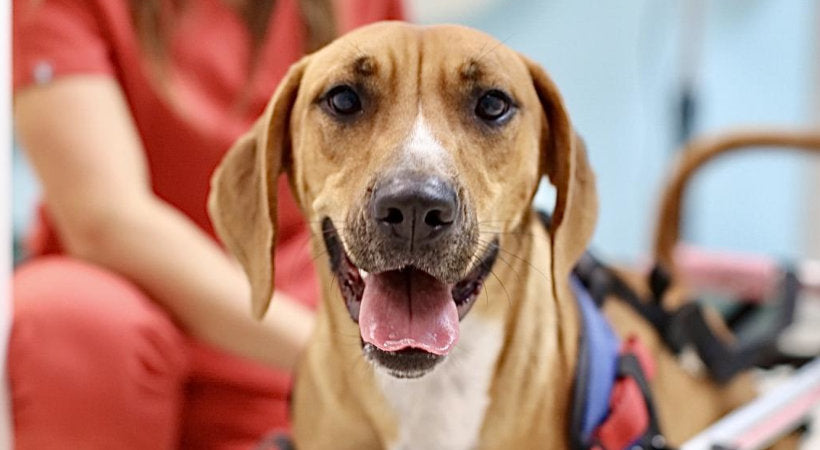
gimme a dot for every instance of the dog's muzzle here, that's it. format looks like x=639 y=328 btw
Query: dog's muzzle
x=404 y=293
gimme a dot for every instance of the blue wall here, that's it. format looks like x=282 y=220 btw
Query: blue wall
x=618 y=65
x=759 y=68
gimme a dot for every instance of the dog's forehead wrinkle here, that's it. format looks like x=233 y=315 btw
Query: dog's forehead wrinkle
x=420 y=33
x=472 y=70
x=364 y=65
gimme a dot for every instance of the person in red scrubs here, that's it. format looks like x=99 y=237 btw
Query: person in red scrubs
x=132 y=327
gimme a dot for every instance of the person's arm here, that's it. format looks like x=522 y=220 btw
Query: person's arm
x=81 y=140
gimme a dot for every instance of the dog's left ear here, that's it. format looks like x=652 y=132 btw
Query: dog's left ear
x=564 y=161
x=242 y=201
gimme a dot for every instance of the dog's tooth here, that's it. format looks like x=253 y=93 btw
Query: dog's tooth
x=363 y=274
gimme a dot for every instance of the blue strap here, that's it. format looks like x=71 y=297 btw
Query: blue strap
x=602 y=359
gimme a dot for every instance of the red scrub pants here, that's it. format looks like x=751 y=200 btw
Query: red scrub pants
x=94 y=364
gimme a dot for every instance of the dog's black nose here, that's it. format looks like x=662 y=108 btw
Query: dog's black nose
x=414 y=209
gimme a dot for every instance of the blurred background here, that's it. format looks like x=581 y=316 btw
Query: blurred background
x=640 y=77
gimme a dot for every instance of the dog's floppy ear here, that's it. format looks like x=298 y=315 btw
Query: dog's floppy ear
x=242 y=201
x=564 y=162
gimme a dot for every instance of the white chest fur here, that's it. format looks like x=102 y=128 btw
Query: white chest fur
x=445 y=408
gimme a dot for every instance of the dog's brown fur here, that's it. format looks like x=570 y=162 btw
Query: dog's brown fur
x=332 y=166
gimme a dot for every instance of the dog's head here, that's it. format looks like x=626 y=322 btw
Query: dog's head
x=411 y=150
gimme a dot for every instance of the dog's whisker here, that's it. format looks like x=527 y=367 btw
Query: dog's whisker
x=500 y=249
x=525 y=261
x=494 y=47
x=511 y=267
x=512 y=270
x=504 y=288
x=318 y=255
x=518 y=235
x=487 y=229
x=486 y=297
x=545 y=237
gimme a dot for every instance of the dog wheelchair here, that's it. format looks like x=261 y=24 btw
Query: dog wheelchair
x=763 y=297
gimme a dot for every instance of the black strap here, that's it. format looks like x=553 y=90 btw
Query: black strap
x=687 y=325
x=602 y=282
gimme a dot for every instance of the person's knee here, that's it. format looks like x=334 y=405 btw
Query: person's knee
x=64 y=305
x=91 y=359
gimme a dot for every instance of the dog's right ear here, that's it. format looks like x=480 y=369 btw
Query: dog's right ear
x=242 y=201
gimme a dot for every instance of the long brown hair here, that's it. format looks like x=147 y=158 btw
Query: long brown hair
x=154 y=19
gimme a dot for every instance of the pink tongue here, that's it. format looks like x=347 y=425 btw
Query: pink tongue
x=402 y=309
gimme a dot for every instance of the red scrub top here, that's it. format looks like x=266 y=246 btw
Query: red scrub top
x=185 y=139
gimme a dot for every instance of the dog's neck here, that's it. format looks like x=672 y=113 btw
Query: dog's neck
x=445 y=409
x=533 y=377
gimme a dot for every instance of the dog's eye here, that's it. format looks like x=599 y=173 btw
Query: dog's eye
x=344 y=101
x=493 y=106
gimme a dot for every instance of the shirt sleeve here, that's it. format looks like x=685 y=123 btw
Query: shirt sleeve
x=395 y=10
x=53 y=38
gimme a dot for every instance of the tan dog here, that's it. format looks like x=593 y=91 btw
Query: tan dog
x=415 y=153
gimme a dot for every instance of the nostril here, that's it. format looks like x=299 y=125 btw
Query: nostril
x=434 y=219
x=394 y=216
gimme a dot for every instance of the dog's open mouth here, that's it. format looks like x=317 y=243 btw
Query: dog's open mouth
x=406 y=310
